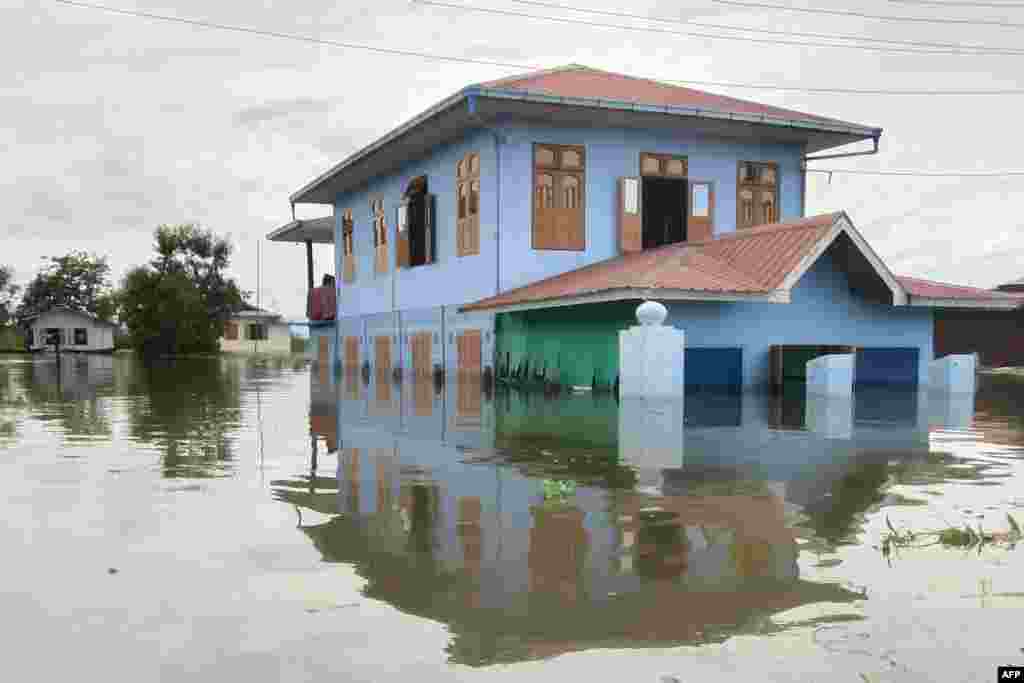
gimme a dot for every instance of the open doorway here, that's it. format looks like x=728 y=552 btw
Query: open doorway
x=664 y=211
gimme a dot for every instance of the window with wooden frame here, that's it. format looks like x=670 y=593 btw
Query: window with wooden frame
x=757 y=194
x=415 y=222
x=467 y=192
x=81 y=336
x=559 y=201
x=662 y=165
x=348 y=247
x=380 y=235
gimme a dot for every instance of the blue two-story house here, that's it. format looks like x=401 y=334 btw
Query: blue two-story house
x=517 y=224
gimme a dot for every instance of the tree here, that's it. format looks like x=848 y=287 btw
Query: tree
x=179 y=302
x=8 y=290
x=79 y=281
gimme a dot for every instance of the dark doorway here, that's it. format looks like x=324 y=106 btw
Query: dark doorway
x=417 y=230
x=416 y=200
x=664 y=215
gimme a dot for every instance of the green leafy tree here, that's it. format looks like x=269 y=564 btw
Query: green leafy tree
x=79 y=281
x=8 y=291
x=178 y=303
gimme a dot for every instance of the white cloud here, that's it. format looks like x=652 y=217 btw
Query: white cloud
x=116 y=124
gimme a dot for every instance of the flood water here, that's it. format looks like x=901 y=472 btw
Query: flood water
x=257 y=520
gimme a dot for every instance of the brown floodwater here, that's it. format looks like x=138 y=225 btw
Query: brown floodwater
x=263 y=520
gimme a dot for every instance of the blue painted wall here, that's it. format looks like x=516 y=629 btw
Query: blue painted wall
x=822 y=311
x=610 y=154
x=506 y=217
x=451 y=279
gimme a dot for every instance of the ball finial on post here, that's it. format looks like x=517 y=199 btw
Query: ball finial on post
x=651 y=313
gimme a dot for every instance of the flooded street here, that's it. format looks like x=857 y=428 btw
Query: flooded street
x=261 y=520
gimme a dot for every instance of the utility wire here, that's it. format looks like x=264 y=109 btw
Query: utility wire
x=521 y=67
x=711 y=36
x=921 y=174
x=829 y=36
x=291 y=36
x=863 y=15
x=853 y=91
x=954 y=3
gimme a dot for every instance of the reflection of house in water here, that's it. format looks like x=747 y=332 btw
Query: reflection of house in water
x=554 y=525
x=74 y=378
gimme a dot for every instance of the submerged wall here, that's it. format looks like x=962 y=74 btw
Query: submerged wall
x=582 y=340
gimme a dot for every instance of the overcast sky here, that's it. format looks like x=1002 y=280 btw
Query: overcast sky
x=113 y=125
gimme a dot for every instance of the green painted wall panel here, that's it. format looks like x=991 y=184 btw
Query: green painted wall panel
x=582 y=342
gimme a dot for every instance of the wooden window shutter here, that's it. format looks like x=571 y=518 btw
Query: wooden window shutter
x=757 y=194
x=402 y=242
x=543 y=211
x=701 y=220
x=347 y=241
x=630 y=215
x=468 y=196
x=559 y=197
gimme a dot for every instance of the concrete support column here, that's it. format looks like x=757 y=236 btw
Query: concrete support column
x=651 y=356
x=831 y=375
x=953 y=374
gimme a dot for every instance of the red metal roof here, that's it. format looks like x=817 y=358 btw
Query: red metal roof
x=581 y=81
x=930 y=289
x=750 y=261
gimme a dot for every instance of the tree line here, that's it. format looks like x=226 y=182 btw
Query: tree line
x=175 y=304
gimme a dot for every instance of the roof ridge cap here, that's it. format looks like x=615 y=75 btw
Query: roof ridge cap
x=799 y=224
x=531 y=74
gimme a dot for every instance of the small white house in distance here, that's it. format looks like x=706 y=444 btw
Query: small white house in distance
x=78 y=332
x=255 y=330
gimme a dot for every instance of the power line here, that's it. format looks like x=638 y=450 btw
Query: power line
x=520 y=67
x=854 y=91
x=954 y=3
x=693 y=34
x=921 y=174
x=290 y=36
x=912 y=43
x=863 y=15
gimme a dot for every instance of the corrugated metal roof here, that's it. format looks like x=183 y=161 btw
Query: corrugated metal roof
x=584 y=86
x=750 y=261
x=576 y=80
x=931 y=289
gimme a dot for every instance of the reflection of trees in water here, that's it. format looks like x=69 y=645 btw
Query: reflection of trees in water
x=190 y=407
x=838 y=518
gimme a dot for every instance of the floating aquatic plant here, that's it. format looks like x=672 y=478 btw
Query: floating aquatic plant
x=964 y=538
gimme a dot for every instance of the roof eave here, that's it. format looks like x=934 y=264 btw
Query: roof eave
x=981 y=304
x=779 y=296
x=307 y=193
x=301 y=195
x=627 y=105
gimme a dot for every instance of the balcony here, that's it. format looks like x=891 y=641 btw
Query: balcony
x=322 y=304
